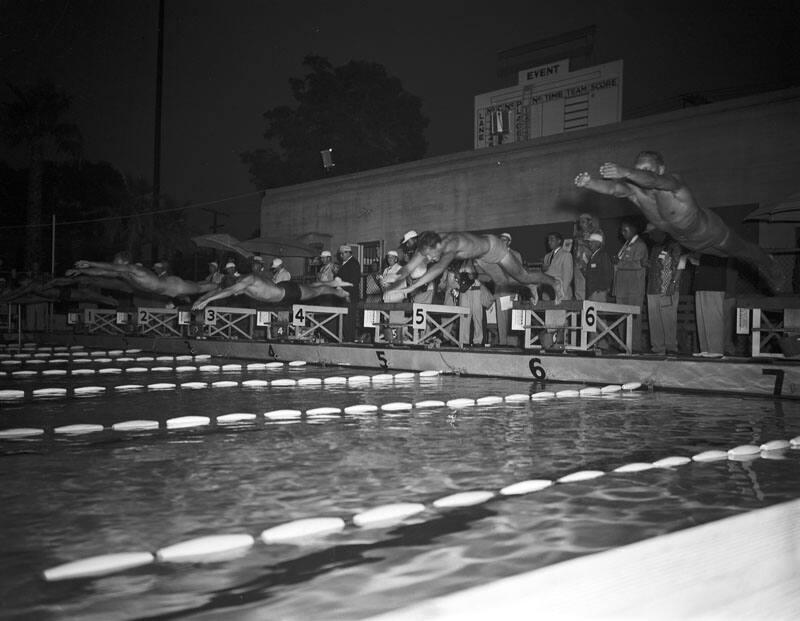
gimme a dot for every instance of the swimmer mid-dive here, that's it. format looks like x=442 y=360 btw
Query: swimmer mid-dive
x=142 y=279
x=488 y=253
x=286 y=292
x=669 y=206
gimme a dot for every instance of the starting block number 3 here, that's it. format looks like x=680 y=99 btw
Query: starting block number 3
x=210 y=317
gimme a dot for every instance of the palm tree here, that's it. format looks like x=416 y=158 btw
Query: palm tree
x=35 y=120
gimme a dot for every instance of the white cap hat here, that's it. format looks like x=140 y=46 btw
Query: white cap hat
x=345 y=248
x=276 y=263
x=214 y=263
x=230 y=264
x=325 y=253
x=407 y=236
x=258 y=258
x=598 y=237
x=392 y=253
x=506 y=236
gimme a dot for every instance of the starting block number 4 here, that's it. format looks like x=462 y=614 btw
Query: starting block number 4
x=299 y=316
x=419 y=317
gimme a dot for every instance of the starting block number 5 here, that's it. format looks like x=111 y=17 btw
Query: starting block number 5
x=420 y=318
x=589 y=317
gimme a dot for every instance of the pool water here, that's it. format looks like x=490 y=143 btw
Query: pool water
x=67 y=498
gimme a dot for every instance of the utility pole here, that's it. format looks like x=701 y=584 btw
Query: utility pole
x=215 y=225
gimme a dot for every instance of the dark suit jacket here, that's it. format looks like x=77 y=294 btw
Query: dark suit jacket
x=351 y=272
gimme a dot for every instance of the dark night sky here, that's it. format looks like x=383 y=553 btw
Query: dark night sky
x=226 y=62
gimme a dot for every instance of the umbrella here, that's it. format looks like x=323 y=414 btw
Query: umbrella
x=279 y=247
x=224 y=242
x=786 y=210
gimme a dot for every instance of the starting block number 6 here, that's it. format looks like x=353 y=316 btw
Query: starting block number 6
x=420 y=318
x=589 y=318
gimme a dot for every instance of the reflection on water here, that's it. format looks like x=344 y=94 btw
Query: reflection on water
x=69 y=498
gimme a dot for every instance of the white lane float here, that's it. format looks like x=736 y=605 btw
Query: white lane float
x=135 y=425
x=430 y=373
x=185 y=422
x=517 y=398
x=590 y=391
x=334 y=380
x=185 y=368
x=136 y=370
x=235 y=417
x=11 y=394
x=20 y=432
x=427 y=404
x=359 y=379
x=309 y=381
x=396 y=406
x=745 y=450
x=206 y=549
x=99 y=352
x=324 y=411
x=638 y=466
x=181 y=358
x=459 y=403
x=297 y=363
x=165 y=358
x=208 y=368
x=404 y=376
x=88 y=390
x=284 y=382
x=109 y=371
x=10 y=363
x=194 y=385
x=542 y=395
x=795 y=442
x=27 y=373
x=775 y=445
x=463 y=499
x=382 y=378
x=198 y=357
x=283 y=414
x=581 y=475
x=567 y=394
x=256 y=366
x=61 y=348
x=274 y=365
x=628 y=386
x=42 y=355
x=76 y=430
x=672 y=461
x=161 y=386
x=115 y=352
x=707 y=456
x=82 y=372
x=231 y=367
x=98 y=565
x=610 y=389
x=133 y=351
x=49 y=392
x=224 y=384
x=127 y=387
x=35 y=361
x=489 y=400
x=387 y=514
x=161 y=369
x=309 y=528
x=144 y=359
x=74 y=361
x=525 y=487
x=102 y=360
x=362 y=408
x=255 y=383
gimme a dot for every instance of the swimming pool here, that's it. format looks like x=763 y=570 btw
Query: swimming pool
x=68 y=497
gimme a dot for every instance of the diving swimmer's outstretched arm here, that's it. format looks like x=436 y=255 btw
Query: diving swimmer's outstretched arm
x=603 y=186
x=433 y=272
x=643 y=178
x=409 y=268
x=234 y=289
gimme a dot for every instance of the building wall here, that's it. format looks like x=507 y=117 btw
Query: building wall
x=733 y=153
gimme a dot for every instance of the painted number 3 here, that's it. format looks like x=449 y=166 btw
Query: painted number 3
x=537 y=369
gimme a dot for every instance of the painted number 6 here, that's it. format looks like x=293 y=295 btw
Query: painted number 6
x=537 y=369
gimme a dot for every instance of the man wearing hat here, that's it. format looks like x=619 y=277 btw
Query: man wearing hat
x=393 y=266
x=350 y=272
x=327 y=269
x=257 y=266
x=230 y=275
x=214 y=275
x=279 y=271
x=505 y=335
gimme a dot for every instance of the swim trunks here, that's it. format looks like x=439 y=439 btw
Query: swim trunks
x=291 y=291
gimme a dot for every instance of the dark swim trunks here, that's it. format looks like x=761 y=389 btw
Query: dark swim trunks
x=291 y=291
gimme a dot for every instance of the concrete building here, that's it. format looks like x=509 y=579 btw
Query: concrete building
x=735 y=155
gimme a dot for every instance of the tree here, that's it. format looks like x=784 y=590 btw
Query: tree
x=358 y=110
x=35 y=120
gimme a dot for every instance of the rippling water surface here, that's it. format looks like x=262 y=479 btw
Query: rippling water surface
x=69 y=498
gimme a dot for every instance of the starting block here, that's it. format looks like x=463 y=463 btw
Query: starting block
x=228 y=322
x=322 y=321
x=106 y=321
x=765 y=319
x=585 y=323
x=416 y=323
x=159 y=321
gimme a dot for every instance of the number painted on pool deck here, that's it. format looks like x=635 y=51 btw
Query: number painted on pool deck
x=271 y=352
x=382 y=359
x=537 y=369
x=778 y=373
